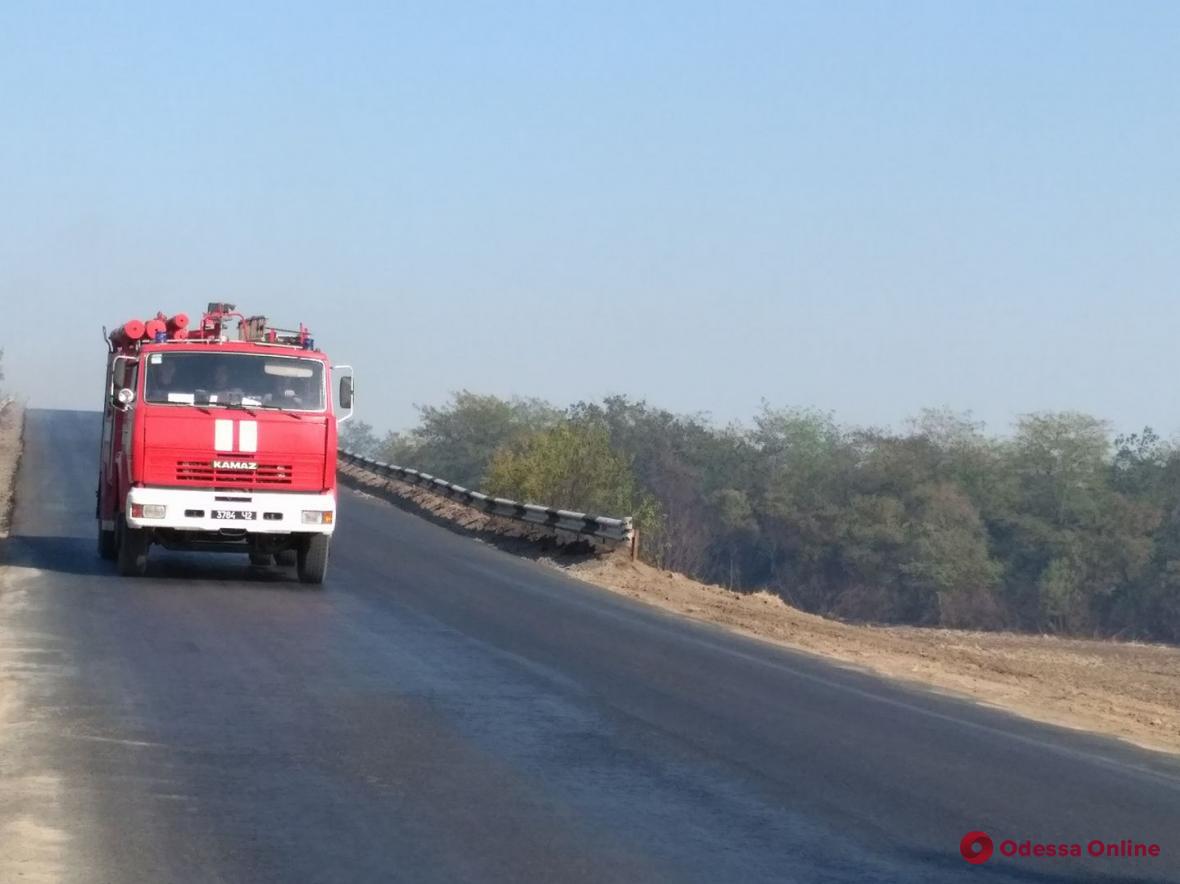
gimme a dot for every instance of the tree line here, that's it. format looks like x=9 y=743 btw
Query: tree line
x=1059 y=527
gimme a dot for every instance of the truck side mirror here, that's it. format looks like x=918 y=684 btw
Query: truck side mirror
x=347 y=393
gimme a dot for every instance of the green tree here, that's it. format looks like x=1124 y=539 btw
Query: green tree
x=738 y=531
x=949 y=573
x=803 y=493
x=682 y=462
x=1140 y=460
x=1073 y=542
x=1061 y=460
x=456 y=441
x=570 y=465
x=358 y=437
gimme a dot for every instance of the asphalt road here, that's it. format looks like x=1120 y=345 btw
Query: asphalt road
x=441 y=711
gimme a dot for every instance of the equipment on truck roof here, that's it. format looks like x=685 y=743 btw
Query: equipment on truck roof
x=213 y=328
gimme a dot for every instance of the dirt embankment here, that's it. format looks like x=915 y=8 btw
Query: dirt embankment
x=12 y=423
x=1123 y=689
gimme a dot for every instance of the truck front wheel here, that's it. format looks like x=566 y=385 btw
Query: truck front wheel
x=312 y=560
x=133 y=550
x=108 y=546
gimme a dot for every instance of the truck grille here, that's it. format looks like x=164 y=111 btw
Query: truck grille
x=203 y=472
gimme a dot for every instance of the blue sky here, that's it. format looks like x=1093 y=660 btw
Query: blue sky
x=866 y=208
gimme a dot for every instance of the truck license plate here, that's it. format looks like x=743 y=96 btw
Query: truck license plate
x=246 y=515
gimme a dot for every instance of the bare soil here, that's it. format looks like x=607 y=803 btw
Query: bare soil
x=1127 y=690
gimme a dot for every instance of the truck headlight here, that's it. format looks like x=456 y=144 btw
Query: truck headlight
x=317 y=517
x=148 y=510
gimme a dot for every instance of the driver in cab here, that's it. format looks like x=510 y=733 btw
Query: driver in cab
x=161 y=381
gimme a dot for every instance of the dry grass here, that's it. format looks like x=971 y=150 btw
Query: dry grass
x=12 y=421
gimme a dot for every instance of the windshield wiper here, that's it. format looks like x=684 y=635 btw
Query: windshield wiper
x=234 y=406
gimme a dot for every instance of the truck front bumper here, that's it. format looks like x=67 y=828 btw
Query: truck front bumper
x=200 y=510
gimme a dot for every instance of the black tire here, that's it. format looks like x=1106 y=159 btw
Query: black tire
x=312 y=560
x=286 y=558
x=108 y=546
x=133 y=550
x=261 y=559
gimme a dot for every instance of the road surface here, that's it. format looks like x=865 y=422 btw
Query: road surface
x=441 y=711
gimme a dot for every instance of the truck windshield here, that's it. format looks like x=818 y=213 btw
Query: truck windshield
x=235 y=379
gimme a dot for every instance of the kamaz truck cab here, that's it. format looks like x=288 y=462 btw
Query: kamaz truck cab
x=215 y=443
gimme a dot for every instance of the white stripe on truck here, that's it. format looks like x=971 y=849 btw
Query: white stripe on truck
x=248 y=436
x=223 y=435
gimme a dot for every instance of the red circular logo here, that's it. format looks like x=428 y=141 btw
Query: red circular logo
x=976 y=847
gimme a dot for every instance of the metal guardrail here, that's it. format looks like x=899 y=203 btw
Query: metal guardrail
x=621 y=530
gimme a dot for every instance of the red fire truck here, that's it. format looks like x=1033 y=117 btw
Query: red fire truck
x=219 y=443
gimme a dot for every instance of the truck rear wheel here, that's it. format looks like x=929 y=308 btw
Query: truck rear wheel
x=312 y=560
x=108 y=546
x=133 y=550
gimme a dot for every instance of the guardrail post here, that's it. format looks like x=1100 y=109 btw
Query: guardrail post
x=634 y=544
